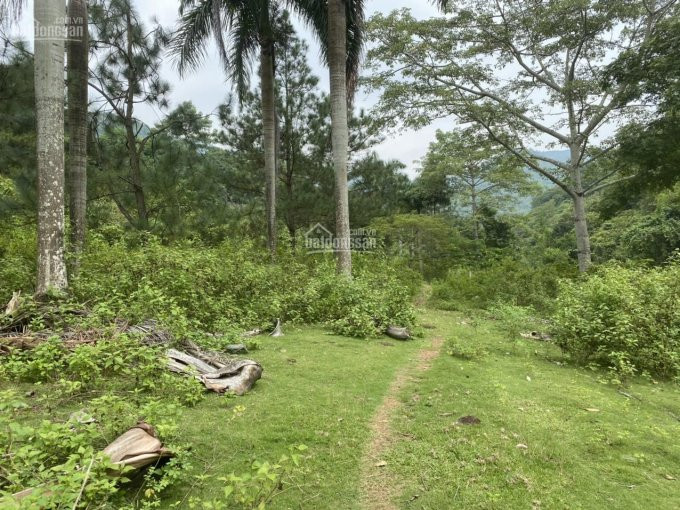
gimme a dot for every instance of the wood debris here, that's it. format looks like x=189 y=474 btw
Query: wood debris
x=216 y=372
x=397 y=333
x=136 y=448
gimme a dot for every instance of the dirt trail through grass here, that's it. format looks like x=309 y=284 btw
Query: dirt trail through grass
x=378 y=486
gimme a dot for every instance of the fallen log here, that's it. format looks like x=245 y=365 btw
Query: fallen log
x=218 y=375
x=189 y=361
x=237 y=379
x=236 y=349
x=397 y=333
x=536 y=335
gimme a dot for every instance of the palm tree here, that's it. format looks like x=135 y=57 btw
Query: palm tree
x=339 y=25
x=339 y=52
x=248 y=24
x=49 y=101
x=77 y=70
x=339 y=21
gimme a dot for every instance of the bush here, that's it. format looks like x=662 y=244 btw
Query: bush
x=627 y=319
x=188 y=287
x=515 y=319
x=466 y=348
x=506 y=280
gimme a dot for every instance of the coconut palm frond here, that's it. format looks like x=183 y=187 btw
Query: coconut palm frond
x=244 y=44
x=355 y=42
x=315 y=14
x=195 y=27
x=11 y=10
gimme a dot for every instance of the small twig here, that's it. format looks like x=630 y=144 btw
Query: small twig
x=629 y=395
x=82 y=487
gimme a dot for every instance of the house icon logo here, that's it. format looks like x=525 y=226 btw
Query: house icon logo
x=318 y=239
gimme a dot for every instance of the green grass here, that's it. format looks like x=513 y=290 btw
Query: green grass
x=587 y=445
x=317 y=389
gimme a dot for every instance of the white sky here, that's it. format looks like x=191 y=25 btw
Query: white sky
x=207 y=87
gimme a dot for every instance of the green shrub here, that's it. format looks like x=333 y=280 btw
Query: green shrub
x=514 y=319
x=464 y=348
x=506 y=280
x=627 y=319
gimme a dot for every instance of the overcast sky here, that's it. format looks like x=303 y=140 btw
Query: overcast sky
x=207 y=87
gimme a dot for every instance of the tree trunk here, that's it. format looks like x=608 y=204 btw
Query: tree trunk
x=49 y=106
x=131 y=137
x=77 y=110
x=337 y=55
x=290 y=214
x=582 y=236
x=269 y=132
x=473 y=202
x=580 y=219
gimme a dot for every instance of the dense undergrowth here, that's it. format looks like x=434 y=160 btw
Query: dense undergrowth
x=624 y=318
x=507 y=280
x=189 y=287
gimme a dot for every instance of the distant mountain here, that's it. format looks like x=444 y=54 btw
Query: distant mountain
x=561 y=156
x=524 y=204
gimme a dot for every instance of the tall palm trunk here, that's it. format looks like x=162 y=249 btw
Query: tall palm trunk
x=337 y=55
x=77 y=63
x=269 y=131
x=49 y=106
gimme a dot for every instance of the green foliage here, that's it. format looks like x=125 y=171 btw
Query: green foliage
x=363 y=306
x=118 y=381
x=477 y=172
x=464 y=348
x=55 y=459
x=514 y=319
x=651 y=230
x=429 y=244
x=190 y=288
x=627 y=319
x=90 y=365
x=254 y=489
x=506 y=280
x=17 y=129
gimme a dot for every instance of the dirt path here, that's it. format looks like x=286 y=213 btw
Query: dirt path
x=377 y=483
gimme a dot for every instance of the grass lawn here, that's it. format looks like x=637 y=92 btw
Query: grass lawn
x=551 y=435
x=318 y=390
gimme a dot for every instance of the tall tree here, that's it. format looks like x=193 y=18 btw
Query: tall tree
x=377 y=188
x=249 y=27
x=49 y=102
x=478 y=171
x=77 y=77
x=553 y=87
x=345 y=28
x=301 y=113
x=128 y=74
x=337 y=51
